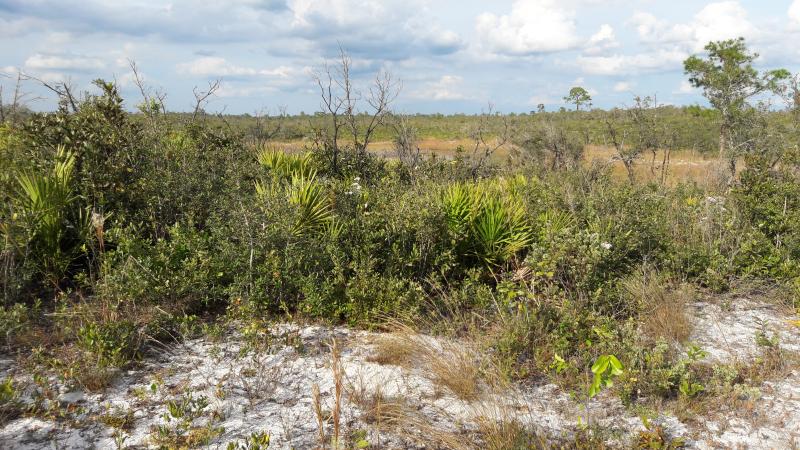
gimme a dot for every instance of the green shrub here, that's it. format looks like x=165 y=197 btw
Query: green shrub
x=184 y=269
x=106 y=143
x=112 y=343
x=10 y=404
x=16 y=320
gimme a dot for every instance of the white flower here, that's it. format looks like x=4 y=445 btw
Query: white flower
x=606 y=245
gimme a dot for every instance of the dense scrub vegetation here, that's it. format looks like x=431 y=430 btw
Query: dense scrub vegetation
x=125 y=231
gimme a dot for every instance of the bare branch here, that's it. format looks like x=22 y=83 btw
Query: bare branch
x=202 y=97
x=150 y=97
x=262 y=131
x=340 y=101
x=62 y=89
x=483 y=149
x=405 y=144
x=625 y=153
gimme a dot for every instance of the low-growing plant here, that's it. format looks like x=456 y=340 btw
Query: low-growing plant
x=113 y=344
x=179 y=428
x=256 y=441
x=604 y=370
x=653 y=437
x=47 y=224
x=10 y=405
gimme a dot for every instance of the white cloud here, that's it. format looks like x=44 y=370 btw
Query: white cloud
x=623 y=86
x=794 y=11
x=243 y=81
x=685 y=88
x=631 y=64
x=724 y=20
x=397 y=28
x=41 y=61
x=393 y=29
x=228 y=90
x=433 y=37
x=716 y=21
x=343 y=13
x=9 y=71
x=670 y=44
x=532 y=26
x=602 y=41
x=448 y=87
x=17 y=27
x=215 y=67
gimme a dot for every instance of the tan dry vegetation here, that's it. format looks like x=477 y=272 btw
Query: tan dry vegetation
x=501 y=429
x=662 y=306
x=397 y=415
x=683 y=165
x=391 y=350
x=452 y=365
x=497 y=422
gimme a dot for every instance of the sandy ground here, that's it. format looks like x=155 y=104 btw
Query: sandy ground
x=268 y=388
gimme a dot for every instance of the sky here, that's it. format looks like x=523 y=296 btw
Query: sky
x=451 y=56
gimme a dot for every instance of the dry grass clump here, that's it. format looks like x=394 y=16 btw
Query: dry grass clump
x=774 y=363
x=662 y=306
x=457 y=366
x=379 y=410
x=453 y=365
x=337 y=372
x=500 y=428
x=398 y=416
x=389 y=350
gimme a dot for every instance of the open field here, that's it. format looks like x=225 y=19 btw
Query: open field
x=682 y=166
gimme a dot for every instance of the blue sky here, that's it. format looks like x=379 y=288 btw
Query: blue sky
x=452 y=56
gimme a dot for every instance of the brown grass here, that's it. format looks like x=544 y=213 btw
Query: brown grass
x=500 y=428
x=376 y=408
x=389 y=350
x=317 y=404
x=683 y=165
x=338 y=385
x=456 y=364
x=398 y=416
x=453 y=365
x=662 y=306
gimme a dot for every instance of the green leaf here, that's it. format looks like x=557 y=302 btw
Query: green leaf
x=600 y=365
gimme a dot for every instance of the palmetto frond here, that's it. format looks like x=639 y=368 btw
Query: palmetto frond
x=286 y=166
x=45 y=202
x=489 y=220
x=500 y=230
x=461 y=202
x=552 y=223
x=315 y=212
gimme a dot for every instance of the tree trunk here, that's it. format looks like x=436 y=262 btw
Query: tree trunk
x=629 y=168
